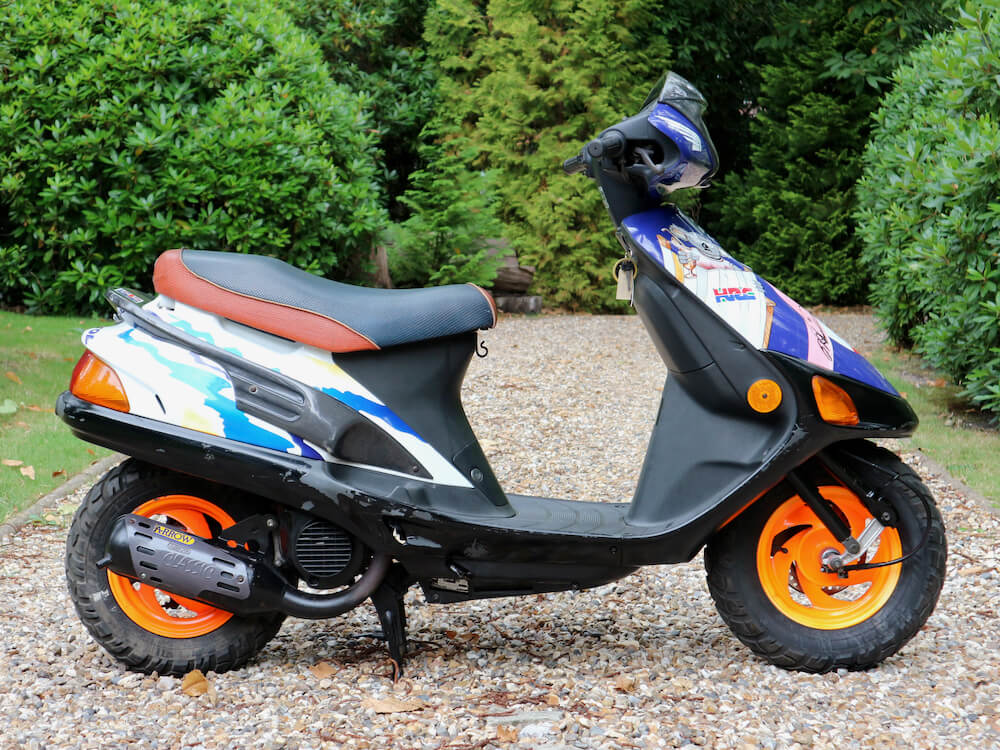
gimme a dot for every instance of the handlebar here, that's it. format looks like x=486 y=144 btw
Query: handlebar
x=610 y=143
x=577 y=164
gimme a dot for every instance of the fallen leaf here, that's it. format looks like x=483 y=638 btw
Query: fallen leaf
x=625 y=683
x=973 y=571
x=23 y=425
x=195 y=684
x=13 y=376
x=91 y=451
x=59 y=473
x=392 y=705
x=450 y=634
x=28 y=471
x=27 y=328
x=507 y=734
x=552 y=699
x=322 y=670
x=469 y=637
x=8 y=406
x=11 y=462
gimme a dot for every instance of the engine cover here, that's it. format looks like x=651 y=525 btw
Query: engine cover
x=324 y=555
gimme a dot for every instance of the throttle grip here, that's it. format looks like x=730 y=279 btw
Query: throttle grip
x=577 y=164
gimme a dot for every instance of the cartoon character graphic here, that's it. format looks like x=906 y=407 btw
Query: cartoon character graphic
x=731 y=289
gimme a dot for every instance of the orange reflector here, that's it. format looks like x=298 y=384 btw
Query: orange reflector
x=764 y=396
x=97 y=383
x=835 y=406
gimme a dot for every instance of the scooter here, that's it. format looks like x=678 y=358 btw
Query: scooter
x=298 y=446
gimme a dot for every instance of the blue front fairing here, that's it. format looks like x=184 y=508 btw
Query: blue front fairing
x=696 y=162
x=766 y=317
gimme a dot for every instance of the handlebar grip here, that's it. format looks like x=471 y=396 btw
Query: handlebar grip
x=611 y=143
x=577 y=164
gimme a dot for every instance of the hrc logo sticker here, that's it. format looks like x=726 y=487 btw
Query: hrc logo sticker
x=734 y=294
x=174 y=535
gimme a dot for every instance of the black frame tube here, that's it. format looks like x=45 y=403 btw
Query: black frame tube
x=833 y=522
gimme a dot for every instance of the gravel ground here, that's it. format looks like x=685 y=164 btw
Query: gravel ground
x=563 y=405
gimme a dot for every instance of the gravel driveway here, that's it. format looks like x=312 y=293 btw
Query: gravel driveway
x=563 y=406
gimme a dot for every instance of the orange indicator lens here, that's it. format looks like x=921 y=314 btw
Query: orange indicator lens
x=835 y=406
x=97 y=383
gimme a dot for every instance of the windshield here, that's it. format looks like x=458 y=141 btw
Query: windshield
x=680 y=94
x=654 y=94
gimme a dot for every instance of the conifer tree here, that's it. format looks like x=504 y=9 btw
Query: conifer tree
x=789 y=214
x=527 y=84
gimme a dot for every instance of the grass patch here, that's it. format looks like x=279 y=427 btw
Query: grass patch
x=952 y=431
x=37 y=355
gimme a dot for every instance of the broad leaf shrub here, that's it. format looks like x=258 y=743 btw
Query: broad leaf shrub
x=929 y=211
x=376 y=47
x=127 y=128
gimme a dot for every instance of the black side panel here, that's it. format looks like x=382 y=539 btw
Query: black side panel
x=364 y=443
x=708 y=442
x=699 y=455
x=422 y=383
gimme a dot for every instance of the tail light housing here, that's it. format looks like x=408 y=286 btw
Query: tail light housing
x=96 y=382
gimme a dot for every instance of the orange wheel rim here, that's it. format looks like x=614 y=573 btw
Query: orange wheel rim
x=789 y=564
x=170 y=615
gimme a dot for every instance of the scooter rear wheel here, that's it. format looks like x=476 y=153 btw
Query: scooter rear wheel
x=764 y=573
x=170 y=615
x=141 y=626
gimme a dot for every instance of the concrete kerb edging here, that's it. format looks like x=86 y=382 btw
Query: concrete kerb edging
x=13 y=524
x=962 y=487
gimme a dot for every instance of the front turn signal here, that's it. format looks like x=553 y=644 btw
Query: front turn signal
x=97 y=383
x=835 y=406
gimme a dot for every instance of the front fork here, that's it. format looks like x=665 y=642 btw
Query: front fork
x=882 y=513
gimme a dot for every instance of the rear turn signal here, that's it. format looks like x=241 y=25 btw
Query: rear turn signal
x=835 y=406
x=97 y=383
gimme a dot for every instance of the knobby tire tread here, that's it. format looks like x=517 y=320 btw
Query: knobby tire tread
x=848 y=651
x=112 y=629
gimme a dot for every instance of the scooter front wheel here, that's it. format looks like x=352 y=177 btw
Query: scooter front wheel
x=766 y=575
x=145 y=628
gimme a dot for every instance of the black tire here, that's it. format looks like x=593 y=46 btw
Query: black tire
x=735 y=581
x=120 y=491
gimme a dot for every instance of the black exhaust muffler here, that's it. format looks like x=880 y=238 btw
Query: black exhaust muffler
x=232 y=579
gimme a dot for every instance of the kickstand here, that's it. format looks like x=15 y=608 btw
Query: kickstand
x=388 y=601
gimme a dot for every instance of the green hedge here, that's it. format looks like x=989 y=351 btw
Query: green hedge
x=929 y=209
x=127 y=128
x=789 y=214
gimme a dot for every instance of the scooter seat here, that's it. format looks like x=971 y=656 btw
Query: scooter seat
x=270 y=295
